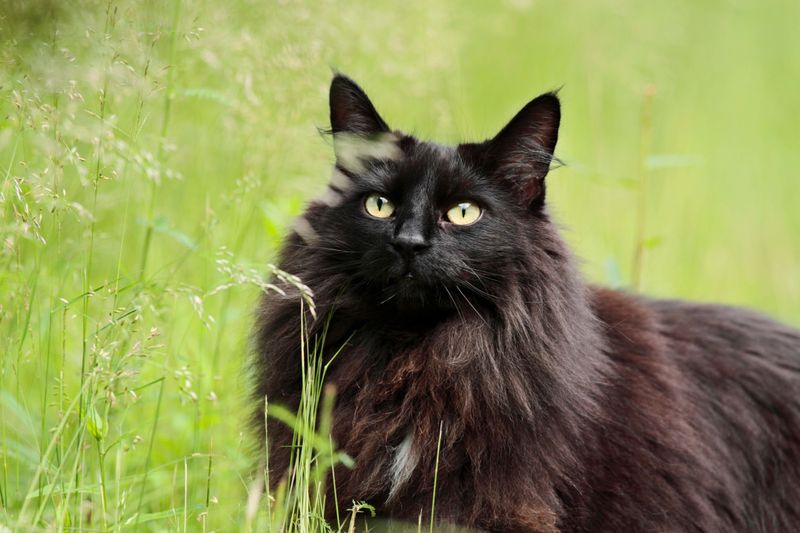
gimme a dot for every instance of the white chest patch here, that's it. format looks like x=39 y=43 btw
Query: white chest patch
x=403 y=464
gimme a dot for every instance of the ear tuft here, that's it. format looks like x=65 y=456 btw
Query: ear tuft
x=521 y=153
x=351 y=109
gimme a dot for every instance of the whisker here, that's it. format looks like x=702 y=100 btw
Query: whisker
x=472 y=306
x=387 y=299
x=325 y=248
x=492 y=298
x=488 y=275
x=455 y=305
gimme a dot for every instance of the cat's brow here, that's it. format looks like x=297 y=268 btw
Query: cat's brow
x=340 y=181
x=354 y=151
x=377 y=177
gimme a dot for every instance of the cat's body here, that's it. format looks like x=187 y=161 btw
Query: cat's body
x=560 y=406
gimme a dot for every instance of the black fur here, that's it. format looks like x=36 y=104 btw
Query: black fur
x=563 y=407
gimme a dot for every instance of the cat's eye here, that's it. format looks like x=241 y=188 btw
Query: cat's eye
x=379 y=206
x=464 y=213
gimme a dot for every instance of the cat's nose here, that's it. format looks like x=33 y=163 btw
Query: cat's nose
x=409 y=242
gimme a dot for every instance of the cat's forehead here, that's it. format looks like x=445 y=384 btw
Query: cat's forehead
x=427 y=164
x=430 y=170
x=437 y=158
x=398 y=163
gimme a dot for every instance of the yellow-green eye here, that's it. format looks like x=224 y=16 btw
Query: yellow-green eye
x=379 y=206
x=464 y=213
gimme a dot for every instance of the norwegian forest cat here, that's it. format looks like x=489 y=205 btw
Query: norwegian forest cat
x=562 y=407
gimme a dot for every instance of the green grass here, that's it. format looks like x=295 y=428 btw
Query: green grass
x=152 y=155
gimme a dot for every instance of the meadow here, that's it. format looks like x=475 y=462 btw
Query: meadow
x=154 y=153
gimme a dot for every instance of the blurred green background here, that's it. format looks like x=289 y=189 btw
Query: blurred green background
x=153 y=153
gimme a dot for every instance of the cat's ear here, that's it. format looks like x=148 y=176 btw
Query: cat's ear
x=521 y=153
x=351 y=109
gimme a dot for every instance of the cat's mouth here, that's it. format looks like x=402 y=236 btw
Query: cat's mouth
x=403 y=271
x=410 y=291
x=412 y=287
x=408 y=280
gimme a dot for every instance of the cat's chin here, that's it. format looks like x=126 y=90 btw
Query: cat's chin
x=411 y=297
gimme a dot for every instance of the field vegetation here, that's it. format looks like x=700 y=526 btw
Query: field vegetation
x=154 y=153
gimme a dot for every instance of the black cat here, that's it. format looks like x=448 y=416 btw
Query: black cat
x=563 y=407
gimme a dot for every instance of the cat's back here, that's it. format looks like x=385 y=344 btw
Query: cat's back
x=742 y=369
x=736 y=343
x=728 y=380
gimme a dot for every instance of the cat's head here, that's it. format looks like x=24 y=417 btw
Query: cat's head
x=414 y=226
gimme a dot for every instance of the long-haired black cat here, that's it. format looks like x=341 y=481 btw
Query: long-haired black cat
x=562 y=407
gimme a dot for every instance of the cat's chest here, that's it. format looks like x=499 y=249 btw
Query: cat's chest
x=404 y=460
x=390 y=418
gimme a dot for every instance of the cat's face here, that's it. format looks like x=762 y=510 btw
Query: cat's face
x=420 y=227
